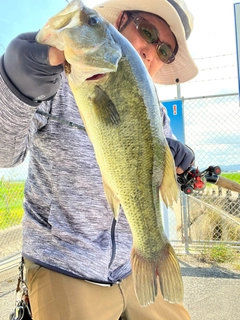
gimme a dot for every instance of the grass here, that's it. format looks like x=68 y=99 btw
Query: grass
x=234 y=176
x=236 y=262
x=219 y=253
x=11 y=203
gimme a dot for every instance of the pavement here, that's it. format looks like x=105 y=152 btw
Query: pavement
x=211 y=292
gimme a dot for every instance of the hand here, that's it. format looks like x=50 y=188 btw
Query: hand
x=55 y=56
x=183 y=156
x=32 y=70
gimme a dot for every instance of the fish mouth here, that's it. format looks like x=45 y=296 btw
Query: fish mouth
x=96 y=77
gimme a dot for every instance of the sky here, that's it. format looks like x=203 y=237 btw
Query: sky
x=212 y=43
x=213 y=46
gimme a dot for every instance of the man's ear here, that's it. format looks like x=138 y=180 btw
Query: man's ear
x=121 y=20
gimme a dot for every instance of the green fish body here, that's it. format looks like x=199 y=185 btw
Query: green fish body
x=118 y=103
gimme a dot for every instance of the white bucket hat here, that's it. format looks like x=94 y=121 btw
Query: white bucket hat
x=180 y=20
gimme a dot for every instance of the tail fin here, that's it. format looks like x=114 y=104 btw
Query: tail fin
x=144 y=278
x=145 y=274
x=170 y=277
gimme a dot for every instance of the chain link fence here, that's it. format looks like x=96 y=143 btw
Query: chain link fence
x=11 y=209
x=11 y=212
x=205 y=217
x=212 y=131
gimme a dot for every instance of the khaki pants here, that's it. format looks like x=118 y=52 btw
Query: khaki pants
x=54 y=296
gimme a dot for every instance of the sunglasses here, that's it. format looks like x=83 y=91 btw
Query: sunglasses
x=150 y=34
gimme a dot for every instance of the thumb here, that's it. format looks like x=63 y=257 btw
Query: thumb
x=55 y=56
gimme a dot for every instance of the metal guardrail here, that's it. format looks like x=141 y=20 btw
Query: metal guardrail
x=10 y=262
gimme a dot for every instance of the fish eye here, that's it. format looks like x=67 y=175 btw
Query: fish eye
x=93 y=20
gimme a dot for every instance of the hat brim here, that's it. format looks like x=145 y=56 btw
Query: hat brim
x=183 y=68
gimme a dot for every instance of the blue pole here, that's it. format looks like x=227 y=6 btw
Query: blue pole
x=237 y=33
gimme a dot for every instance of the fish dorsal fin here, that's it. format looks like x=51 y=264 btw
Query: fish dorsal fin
x=112 y=200
x=104 y=107
x=169 y=188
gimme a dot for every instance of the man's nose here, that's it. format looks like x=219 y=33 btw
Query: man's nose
x=149 y=52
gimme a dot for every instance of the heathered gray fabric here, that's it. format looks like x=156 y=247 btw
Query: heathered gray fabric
x=67 y=221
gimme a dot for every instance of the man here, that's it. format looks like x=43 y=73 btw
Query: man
x=77 y=256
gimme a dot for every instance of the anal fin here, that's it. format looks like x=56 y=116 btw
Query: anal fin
x=112 y=200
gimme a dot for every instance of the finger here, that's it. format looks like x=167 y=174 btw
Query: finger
x=179 y=170
x=29 y=36
x=55 y=56
x=186 y=161
x=26 y=42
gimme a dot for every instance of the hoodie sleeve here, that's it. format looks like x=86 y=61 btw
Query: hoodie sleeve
x=166 y=123
x=15 y=122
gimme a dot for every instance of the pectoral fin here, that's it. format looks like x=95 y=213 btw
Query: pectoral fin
x=104 y=107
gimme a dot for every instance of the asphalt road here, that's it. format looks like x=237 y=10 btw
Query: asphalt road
x=211 y=293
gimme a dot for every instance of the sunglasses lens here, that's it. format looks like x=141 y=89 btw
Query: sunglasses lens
x=150 y=34
x=165 y=53
x=147 y=31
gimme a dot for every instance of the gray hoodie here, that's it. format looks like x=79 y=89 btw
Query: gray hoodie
x=67 y=226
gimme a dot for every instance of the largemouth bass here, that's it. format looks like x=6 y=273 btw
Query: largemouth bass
x=119 y=106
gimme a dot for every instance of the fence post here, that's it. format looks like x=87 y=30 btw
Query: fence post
x=165 y=220
x=185 y=221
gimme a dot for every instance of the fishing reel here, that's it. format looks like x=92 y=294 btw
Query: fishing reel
x=193 y=179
